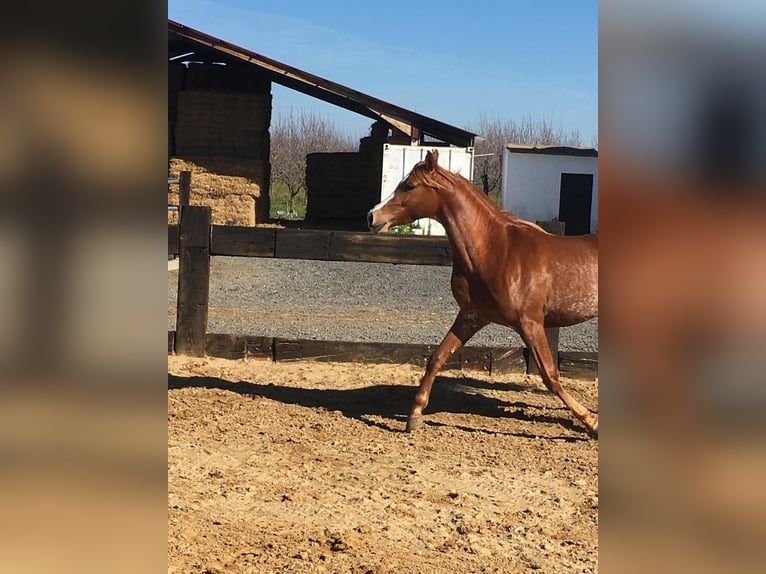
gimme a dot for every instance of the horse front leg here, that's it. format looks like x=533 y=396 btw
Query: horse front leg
x=533 y=334
x=466 y=325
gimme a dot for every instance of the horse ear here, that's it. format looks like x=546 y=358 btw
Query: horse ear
x=432 y=159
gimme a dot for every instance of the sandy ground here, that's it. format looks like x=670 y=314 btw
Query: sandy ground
x=304 y=467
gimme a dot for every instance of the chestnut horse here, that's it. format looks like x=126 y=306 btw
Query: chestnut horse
x=504 y=270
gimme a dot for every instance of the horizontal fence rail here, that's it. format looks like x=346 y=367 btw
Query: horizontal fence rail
x=491 y=360
x=322 y=245
x=195 y=241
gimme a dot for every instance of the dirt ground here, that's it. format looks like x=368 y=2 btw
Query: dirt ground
x=304 y=467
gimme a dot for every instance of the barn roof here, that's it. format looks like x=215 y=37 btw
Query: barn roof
x=552 y=150
x=185 y=41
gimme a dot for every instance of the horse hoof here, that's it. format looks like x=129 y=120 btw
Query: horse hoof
x=414 y=423
x=594 y=430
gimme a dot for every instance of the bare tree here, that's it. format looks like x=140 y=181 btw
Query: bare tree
x=293 y=137
x=496 y=133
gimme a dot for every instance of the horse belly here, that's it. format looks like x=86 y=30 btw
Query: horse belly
x=574 y=301
x=576 y=312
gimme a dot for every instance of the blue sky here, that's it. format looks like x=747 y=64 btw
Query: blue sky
x=453 y=61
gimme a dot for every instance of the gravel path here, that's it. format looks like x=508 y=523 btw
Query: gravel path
x=345 y=302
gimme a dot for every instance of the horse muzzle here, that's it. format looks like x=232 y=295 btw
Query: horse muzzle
x=375 y=226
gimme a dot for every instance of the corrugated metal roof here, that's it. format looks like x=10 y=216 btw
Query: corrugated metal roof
x=183 y=40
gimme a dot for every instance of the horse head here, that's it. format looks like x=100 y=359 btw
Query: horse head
x=415 y=197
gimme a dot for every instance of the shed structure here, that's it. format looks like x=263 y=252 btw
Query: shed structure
x=543 y=183
x=219 y=114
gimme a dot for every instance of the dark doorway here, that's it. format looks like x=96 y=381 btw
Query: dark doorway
x=575 y=202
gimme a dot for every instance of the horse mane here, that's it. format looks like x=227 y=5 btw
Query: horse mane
x=423 y=174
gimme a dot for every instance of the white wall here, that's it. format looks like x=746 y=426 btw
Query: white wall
x=531 y=184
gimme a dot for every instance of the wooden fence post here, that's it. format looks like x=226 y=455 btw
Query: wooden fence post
x=193 y=280
x=184 y=189
x=557 y=228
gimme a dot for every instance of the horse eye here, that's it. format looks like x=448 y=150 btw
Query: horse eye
x=407 y=186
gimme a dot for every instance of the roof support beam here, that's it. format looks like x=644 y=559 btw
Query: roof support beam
x=182 y=38
x=404 y=127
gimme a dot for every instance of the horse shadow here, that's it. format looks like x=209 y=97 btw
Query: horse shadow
x=392 y=403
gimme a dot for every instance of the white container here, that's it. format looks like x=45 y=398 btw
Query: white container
x=398 y=161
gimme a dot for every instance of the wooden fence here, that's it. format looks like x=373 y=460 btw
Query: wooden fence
x=195 y=240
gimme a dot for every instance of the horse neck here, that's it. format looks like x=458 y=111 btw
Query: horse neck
x=467 y=216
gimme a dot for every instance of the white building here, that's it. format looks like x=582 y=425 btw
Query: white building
x=541 y=183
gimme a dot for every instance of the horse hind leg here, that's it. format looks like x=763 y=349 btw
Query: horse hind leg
x=534 y=337
x=466 y=325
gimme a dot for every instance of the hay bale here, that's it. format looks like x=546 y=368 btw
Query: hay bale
x=229 y=209
x=171 y=139
x=176 y=74
x=218 y=176
x=231 y=77
x=220 y=132
x=232 y=209
x=223 y=124
x=339 y=186
x=236 y=189
x=192 y=140
x=224 y=109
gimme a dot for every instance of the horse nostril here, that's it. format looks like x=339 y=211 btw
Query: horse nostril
x=369 y=219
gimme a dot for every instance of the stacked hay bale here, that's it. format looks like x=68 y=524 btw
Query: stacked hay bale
x=342 y=187
x=176 y=78
x=337 y=184
x=220 y=133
